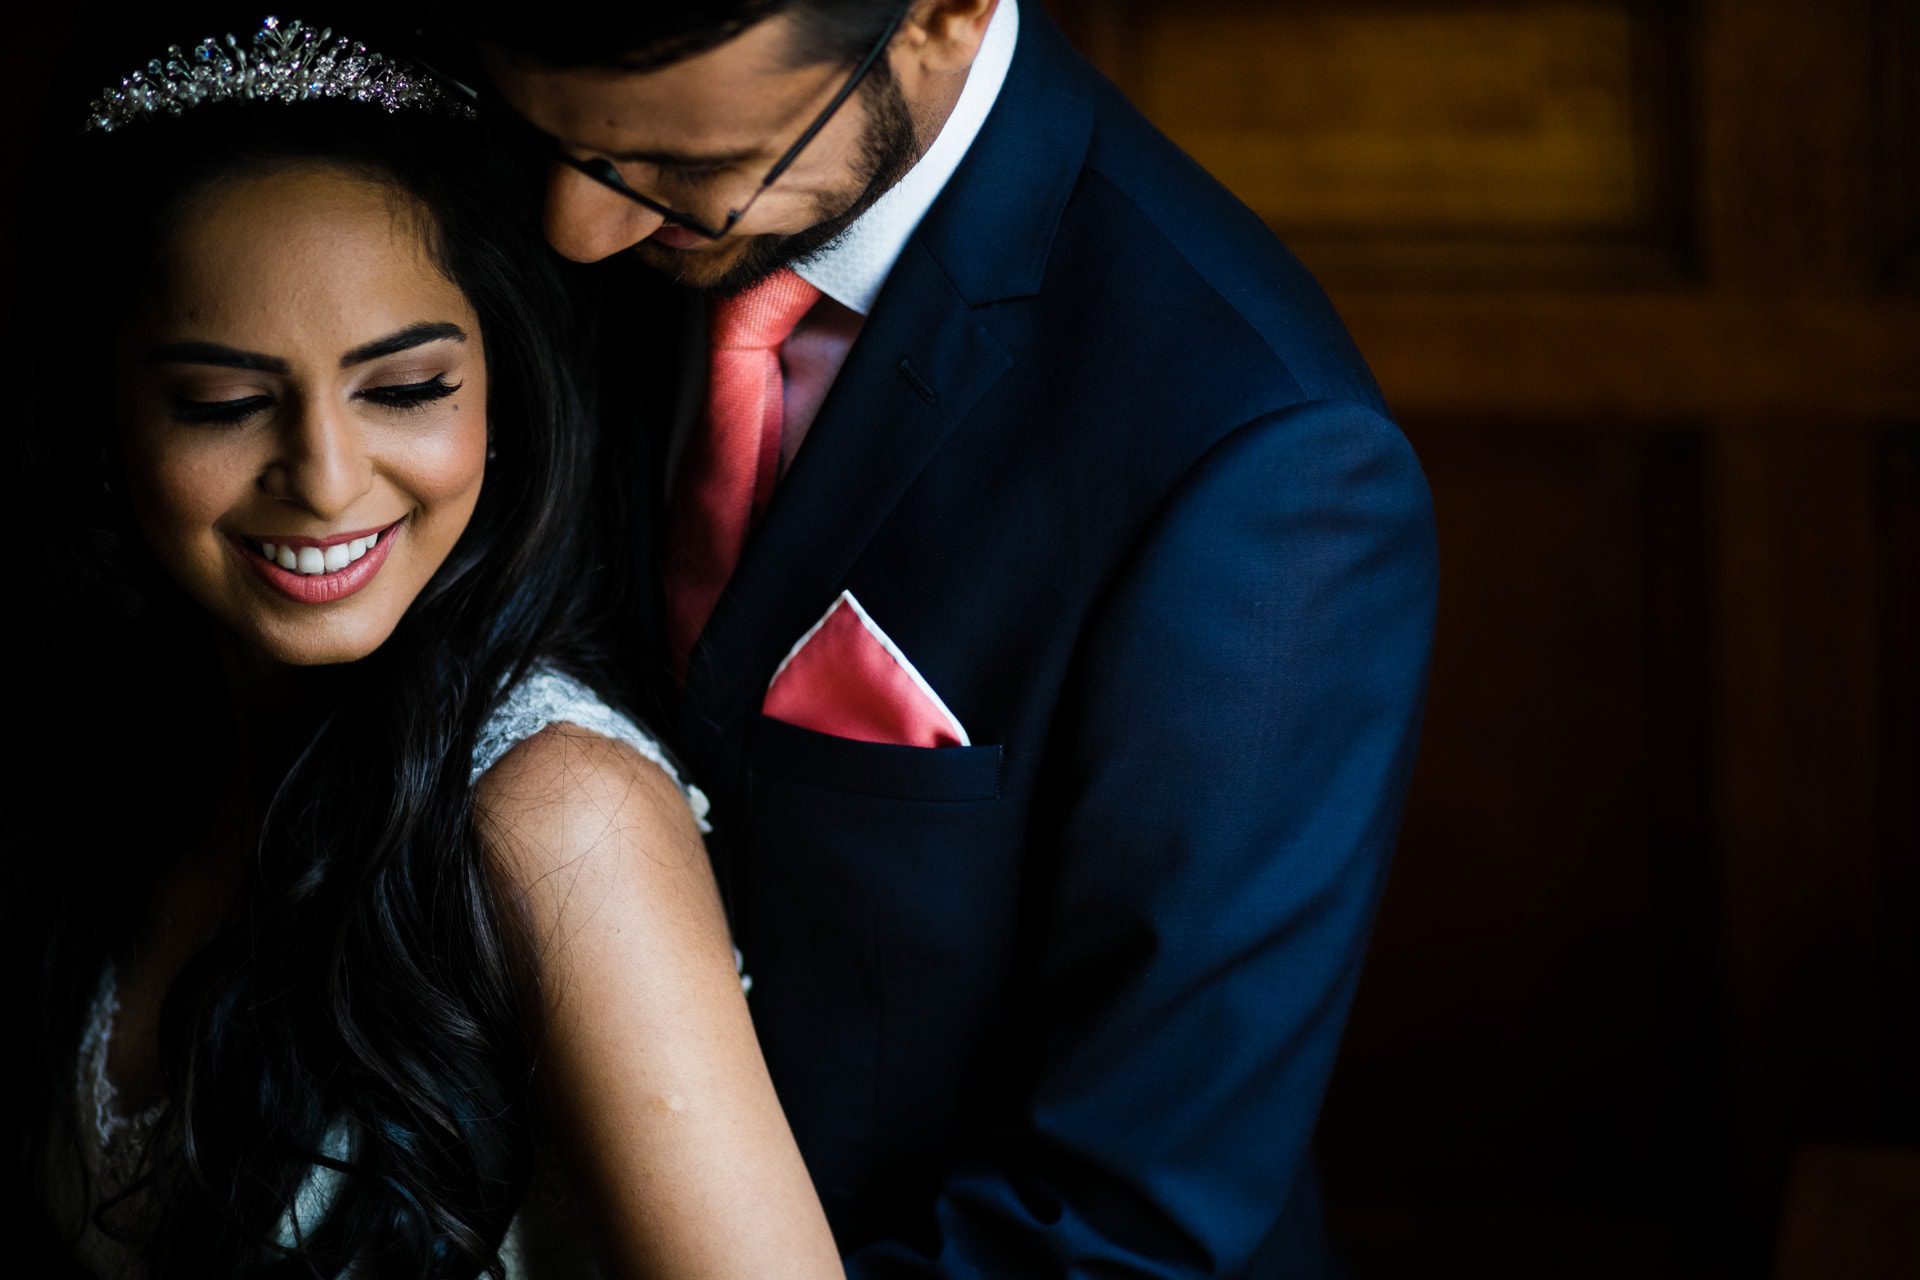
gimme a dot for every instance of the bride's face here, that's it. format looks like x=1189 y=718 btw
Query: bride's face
x=301 y=410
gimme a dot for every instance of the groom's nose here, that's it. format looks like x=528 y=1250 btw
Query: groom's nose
x=587 y=222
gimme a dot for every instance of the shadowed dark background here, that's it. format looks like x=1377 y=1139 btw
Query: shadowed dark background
x=1642 y=283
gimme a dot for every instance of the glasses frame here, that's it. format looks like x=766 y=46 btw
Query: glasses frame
x=601 y=170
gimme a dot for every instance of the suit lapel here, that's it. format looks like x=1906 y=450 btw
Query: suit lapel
x=921 y=363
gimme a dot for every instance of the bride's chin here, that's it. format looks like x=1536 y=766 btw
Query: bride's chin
x=319 y=642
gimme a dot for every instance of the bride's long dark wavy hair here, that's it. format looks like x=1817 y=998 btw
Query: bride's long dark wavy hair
x=371 y=971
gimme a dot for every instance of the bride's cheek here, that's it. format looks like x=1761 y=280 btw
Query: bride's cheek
x=179 y=487
x=444 y=472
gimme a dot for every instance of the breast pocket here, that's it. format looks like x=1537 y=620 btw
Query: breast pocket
x=885 y=882
x=878 y=840
x=803 y=757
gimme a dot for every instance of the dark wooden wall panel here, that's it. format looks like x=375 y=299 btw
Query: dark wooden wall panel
x=1796 y=784
x=1462 y=142
x=1897 y=128
x=1525 y=945
x=1718 y=356
x=1784 y=144
x=1640 y=280
x=1897 y=535
x=1467 y=119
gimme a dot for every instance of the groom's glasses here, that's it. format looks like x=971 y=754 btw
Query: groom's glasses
x=495 y=111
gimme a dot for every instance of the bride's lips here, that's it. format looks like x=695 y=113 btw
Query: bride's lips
x=320 y=588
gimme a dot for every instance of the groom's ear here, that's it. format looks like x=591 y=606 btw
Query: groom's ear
x=945 y=35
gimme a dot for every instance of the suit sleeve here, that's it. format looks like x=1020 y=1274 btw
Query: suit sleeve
x=1231 y=759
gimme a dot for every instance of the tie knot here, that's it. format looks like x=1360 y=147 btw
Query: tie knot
x=762 y=317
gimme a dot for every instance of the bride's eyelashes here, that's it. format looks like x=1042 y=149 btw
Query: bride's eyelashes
x=195 y=411
x=412 y=395
x=405 y=397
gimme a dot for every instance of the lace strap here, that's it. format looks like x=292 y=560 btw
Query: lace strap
x=547 y=696
x=117 y=1134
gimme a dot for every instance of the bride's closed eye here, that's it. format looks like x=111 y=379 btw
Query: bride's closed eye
x=412 y=395
x=185 y=410
x=405 y=397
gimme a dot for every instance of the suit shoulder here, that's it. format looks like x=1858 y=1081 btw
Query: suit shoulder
x=1175 y=239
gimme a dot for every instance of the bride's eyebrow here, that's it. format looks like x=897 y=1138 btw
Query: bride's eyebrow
x=413 y=335
x=215 y=354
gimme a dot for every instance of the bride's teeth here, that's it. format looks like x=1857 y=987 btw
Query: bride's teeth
x=317 y=560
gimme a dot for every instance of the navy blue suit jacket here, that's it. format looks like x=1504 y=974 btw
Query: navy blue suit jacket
x=1106 y=466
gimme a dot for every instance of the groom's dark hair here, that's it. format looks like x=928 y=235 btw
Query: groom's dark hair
x=641 y=37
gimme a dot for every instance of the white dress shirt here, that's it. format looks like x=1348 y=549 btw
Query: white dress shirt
x=852 y=269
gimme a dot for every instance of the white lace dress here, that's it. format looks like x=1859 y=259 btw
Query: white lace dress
x=545 y=1241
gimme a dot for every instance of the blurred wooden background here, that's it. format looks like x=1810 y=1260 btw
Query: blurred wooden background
x=1642 y=281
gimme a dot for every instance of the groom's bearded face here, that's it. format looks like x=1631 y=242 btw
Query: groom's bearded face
x=698 y=136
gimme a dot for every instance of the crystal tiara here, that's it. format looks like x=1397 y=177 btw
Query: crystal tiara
x=284 y=62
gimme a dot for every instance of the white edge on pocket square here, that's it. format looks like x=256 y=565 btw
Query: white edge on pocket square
x=893 y=651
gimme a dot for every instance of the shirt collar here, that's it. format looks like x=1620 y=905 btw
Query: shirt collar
x=852 y=268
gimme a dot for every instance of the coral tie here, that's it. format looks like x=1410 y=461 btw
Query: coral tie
x=726 y=478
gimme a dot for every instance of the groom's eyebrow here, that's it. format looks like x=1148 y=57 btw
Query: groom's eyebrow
x=666 y=159
x=414 y=335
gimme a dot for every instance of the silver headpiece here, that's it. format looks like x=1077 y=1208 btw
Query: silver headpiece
x=284 y=62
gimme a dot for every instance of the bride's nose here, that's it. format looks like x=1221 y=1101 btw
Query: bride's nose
x=321 y=462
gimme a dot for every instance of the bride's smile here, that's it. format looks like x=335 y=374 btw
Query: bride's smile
x=319 y=570
x=303 y=418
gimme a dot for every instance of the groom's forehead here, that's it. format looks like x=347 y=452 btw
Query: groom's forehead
x=734 y=94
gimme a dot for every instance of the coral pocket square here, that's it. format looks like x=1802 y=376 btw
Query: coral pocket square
x=847 y=678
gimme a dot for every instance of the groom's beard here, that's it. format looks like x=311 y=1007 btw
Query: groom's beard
x=888 y=149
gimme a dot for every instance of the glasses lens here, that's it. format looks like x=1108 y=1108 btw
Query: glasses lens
x=527 y=145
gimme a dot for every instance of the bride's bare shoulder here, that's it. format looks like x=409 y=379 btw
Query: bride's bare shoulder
x=669 y=1123
x=569 y=799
